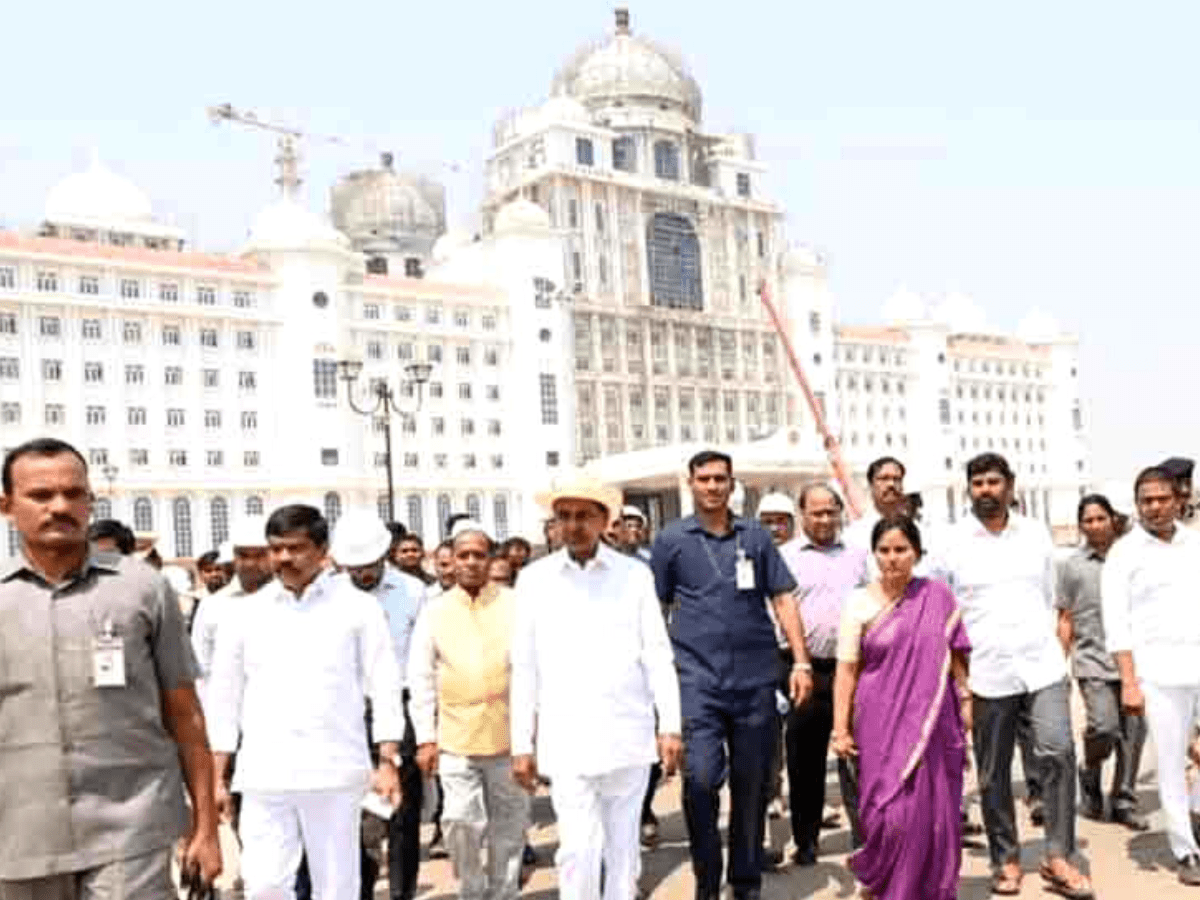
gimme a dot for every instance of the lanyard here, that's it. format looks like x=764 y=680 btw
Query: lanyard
x=737 y=542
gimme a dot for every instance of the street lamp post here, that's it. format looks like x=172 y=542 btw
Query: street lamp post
x=383 y=406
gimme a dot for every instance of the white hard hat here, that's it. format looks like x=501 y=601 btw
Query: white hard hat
x=632 y=512
x=360 y=539
x=776 y=504
x=225 y=553
x=464 y=525
x=249 y=532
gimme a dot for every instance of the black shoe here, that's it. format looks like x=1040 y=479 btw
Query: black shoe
x=1092 y=805
x=1037 y=813
x=770 y=859
x=437 y=847
x=528 y=857
x=1189 y=871
x=805 y=856
x=1130 y=819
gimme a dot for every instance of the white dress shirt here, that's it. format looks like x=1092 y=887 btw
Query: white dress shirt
x=1150 y=595
x=591 y=663
x=402 y=598
x=291 y=674
x=1004 y=584
x=212 y=610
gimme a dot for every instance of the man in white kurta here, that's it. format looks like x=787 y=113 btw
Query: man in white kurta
x=291 y=674
x=592 y=664
x=1148 y=591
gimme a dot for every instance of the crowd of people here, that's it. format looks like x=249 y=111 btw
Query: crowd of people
x=315 y=673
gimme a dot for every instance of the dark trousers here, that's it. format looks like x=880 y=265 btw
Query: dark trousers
x=1047 y=715
x=808 y=729
x=727 y=732
x=1109 y=730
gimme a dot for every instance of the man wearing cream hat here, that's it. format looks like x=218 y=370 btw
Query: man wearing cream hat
x=583 y=711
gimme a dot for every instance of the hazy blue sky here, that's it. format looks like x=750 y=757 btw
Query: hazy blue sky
x=1032 y=154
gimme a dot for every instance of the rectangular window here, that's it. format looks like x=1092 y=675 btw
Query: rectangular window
x=411 y=460
x=403 y=313
x=623 y=154
x=743 y=184
x=468 y=460
x=171 y=336
x=462 y=318
x=250 y=459
x=177 y=458
x=439 y=460
x=463 y=355
x=55 y=414
x=433 y=353
x=214 y=458
x=212 y=378
x=243 y=299
x=8 y=278
x=52 y=369
x=8 y=323
x=435 y=390
x=249 y=420
x=131 y=289
x=89 y=284
x=488 y=321
x=50 y=326
x=600 y=218
x=374 y=350
x=132 y=332
x=95 y=415
x=493 y=392
x=329 y=456
x=549 y=397
x=10 y=368
x=494 y=427
x=47 y=282
x=139 y=457
x=135 y=415
x=585 y=153
x=404 y=352
x=135 y=374
x=491 y=357
x=173 y=376
x=324 y=379
x=208 y=338
x=175 y=418
x=370 y=310
x=93 y=372
x=206 y=296
x=464 y=391
x=572 y=213
x=212 y=418
x=97 y=456
x=168 y=292
x=91 y=329
x=433 y=315
x=543 y=292
x=468 y=427
x=246 y=340
x=10 y=413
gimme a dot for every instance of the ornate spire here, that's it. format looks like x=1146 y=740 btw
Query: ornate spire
x=288 y=160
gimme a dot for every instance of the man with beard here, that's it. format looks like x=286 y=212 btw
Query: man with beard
x=1152 y=628
x=717 y=572
x=304 y=765
x=213 y=575
x=1001 y=567
x=359 y=548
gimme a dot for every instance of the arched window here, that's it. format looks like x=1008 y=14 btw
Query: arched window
x=415 y=525
x=218 y=520
x=474 y=510
x=624 y=153
x=500 y=515
x=443 y=513
x=333 y=508
x=101 y=509
x=143 y=514
x=674 y=256
x=666 y=160
x=254 y=506
x=181 y=520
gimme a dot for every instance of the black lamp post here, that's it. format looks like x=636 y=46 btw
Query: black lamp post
x=383 y=405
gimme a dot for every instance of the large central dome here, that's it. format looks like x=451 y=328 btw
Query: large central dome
x=629 y=70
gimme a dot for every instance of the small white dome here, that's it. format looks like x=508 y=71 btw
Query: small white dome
x=905 y=306
x=521 y=214
x=97 y=197
x=1038 y=327
x=445 y=246
x=561 y=108
x=286 y=225
x=962 y=314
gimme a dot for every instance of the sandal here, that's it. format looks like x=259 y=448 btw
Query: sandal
x=1006 y=885
x=1080 y=890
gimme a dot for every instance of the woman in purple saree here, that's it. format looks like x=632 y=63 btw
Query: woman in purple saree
x=902 y=669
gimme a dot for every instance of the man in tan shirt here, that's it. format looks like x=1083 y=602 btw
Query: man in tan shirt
x=458 y=680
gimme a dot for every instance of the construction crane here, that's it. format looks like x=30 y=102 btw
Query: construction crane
x=288 y=159
x=832 y=447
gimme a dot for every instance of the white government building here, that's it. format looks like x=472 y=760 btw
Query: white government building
x=607 y=314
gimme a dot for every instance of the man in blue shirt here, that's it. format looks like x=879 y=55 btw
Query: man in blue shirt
x=715 y=572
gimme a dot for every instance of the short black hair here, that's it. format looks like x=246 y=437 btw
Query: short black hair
x=1154 y=473
x=874 y=467
x=517 y=542
x=43 y=446
x=818 y=486
x=207 y=559
x=704 y=457
x=410 y=537
x=454 y=519
x=1095 y=500
x=989 y=462
x=299 y=517
x=904 y=525
x=118 y=532
x=444 y=545
x=397 y=530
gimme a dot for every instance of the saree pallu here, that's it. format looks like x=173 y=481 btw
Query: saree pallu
x=911 y=748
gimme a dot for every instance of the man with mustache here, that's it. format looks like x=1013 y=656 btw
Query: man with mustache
x=291 y=677
x=98 y=708
x=1001 y=567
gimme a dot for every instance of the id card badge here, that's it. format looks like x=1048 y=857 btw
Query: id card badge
x=745 y=574
x=108 y=662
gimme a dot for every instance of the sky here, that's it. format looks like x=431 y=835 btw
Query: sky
x=1027 y=154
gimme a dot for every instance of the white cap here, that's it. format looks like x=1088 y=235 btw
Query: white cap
x=463 y=525
x=776 y=504
x=179 y=578
x=225 y=553
x=249 y=532
x=632 y=512
x=359 y=539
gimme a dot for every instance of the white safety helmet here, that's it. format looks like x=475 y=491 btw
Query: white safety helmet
x=359 y=539
x=633 y=512
x=250 y=533
x=776 y=504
